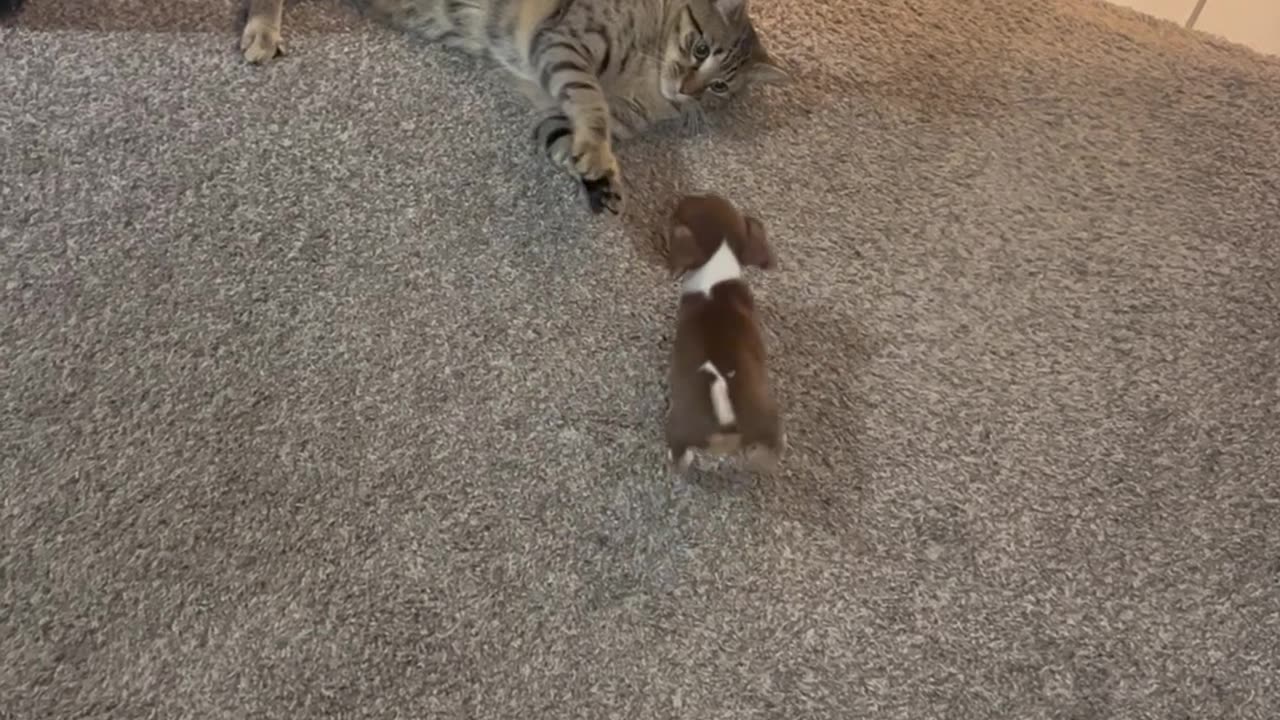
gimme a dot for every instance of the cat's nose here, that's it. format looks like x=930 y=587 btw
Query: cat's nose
x=690 y=85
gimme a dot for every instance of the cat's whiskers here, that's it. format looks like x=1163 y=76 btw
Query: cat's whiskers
x=694 y=119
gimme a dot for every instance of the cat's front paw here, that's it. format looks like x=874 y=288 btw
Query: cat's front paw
x=603 y=194
x=597 y=169
x=261 y=41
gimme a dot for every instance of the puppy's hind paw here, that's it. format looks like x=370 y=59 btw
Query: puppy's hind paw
x=679 y=466
x=763 y=460
x=261 y=41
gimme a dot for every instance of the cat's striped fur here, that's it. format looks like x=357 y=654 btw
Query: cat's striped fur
x=599 y=71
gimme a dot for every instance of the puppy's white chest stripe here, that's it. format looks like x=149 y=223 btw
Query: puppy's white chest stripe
x=720 y=395
x=722 y=266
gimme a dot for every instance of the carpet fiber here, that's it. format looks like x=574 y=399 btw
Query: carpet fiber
x=323 y=397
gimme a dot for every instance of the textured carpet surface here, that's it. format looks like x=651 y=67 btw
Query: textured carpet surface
x=322 y=397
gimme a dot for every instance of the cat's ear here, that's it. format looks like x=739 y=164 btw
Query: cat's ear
x=766 y=71
x=683 y=253
x=732 y=8
x=755 y=246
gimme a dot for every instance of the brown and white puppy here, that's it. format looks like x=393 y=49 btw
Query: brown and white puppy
x=721 y=401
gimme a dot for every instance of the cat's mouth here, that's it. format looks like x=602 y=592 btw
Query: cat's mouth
x=670 y=88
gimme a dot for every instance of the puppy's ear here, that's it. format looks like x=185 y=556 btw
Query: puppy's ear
x=683 y=253
x=755 y=246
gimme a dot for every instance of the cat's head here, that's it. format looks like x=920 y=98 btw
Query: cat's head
x=713 y=53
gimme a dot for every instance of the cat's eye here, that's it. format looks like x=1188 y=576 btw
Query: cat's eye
x=719 y=87
x=701 y=50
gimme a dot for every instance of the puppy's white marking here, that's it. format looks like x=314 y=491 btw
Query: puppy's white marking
x=719 y=395
x=722 y=266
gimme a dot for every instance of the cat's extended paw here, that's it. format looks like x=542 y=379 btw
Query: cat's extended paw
x=261 y=41
x=603 y=194
x=597 y=169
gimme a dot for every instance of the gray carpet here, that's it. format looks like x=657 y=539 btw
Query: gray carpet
x=322 y=397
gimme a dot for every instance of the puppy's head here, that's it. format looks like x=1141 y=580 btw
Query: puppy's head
x=701 y=223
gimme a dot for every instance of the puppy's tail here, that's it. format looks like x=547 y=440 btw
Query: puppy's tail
x=9 y=8
x=721 y=405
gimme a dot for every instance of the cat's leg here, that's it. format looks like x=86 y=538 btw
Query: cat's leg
x=564 y=74
x=628 y=120
x=553 y=133
x=553 y=136
x=260 y=40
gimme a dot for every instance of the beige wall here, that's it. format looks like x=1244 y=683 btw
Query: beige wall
x=1255 y=23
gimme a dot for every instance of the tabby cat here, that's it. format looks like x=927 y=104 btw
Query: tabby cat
x=598 y=71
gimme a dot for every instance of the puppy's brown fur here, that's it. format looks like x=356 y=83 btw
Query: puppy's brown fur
x=718 y=338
